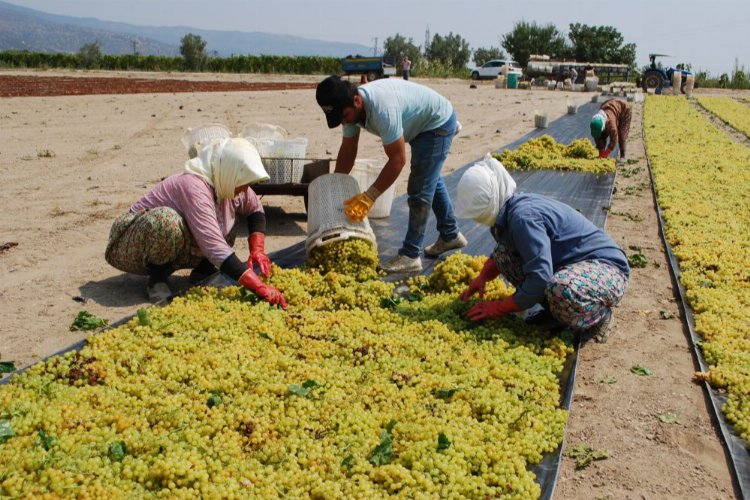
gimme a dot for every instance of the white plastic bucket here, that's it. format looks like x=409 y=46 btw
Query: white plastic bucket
x=256 y=131
x=365 y=172
x=676 y=82
x=326 y=220
x=689 y=85
x=196 y=137
x=572 y=108
x=500 y=82
x=541 y=120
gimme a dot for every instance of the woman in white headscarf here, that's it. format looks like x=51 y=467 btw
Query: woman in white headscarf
x=186 y=221
x=552 y=254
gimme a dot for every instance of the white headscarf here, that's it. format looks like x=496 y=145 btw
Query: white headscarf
x=227 y=164
x=483 y=189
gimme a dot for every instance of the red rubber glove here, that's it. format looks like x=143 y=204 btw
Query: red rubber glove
x=604 y=153
x=257 y=244
x=357 y=207
x=493 y=309
x=488 y=273
x=252 y=282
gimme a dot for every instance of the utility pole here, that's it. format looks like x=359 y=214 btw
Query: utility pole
x=134 y=42
x=427 y=39
x=375 y=48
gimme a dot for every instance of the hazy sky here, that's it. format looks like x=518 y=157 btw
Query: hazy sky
x=711 y=35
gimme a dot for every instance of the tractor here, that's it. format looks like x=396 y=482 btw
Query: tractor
x=657 y=77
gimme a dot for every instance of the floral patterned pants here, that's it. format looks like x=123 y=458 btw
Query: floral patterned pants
x=578 y=295
x=158 y=236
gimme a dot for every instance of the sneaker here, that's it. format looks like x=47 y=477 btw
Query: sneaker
x=158 y=292
x=441 y=245
x=402 y=264
x=202 y=271
x=600 y=332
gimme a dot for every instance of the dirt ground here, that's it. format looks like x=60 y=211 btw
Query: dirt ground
x=71 y=164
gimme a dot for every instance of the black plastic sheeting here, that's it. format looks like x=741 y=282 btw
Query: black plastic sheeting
x=590 y=194
x=736 y=448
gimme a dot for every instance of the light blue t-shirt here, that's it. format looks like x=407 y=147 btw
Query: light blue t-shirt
x=396 y=108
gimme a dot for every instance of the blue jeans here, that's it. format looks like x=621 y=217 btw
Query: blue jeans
x=426 y=188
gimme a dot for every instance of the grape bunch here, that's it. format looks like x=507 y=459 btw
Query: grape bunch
x=341 y=396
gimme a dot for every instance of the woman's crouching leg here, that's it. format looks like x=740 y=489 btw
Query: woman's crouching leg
x=582 y=295
x=153 y=239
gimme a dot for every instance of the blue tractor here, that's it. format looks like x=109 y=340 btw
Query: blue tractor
x=657 y=77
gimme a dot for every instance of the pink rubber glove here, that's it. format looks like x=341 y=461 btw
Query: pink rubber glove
x=488 y=273
x=257 y=244
x=493 y=309
x=252 y=282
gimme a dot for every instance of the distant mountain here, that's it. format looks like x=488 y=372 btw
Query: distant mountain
x=22 y=28
x=26 y=29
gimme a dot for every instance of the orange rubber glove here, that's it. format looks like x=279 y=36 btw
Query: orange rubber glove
x=488 y=273
x=357 y=207
x=252 y=282
x=493 y=309
x=257 y=244
x=604 y=153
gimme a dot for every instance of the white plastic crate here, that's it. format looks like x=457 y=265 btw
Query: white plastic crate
x=283 y=159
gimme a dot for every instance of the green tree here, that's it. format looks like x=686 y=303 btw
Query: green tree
x=451 y=51
x=397 y=47
x=530 y=38
x=193 y=51
x=602 y=44
x=739 y=80
x=482 y=55
x=90 y=55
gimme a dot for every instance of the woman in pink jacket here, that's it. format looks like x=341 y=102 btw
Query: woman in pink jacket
x=186 y=222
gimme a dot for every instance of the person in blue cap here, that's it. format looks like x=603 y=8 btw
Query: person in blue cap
x=610 y=127
x=399 y=112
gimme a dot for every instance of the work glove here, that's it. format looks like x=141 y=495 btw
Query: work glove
x=488 y=273
x=257 y=244
x=357 y=207
x=493 y=309
x=252 y=282
x=604 y=153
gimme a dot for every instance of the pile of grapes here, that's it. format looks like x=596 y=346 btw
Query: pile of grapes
x=352 y=392
x=545 y=153
x=701 y=180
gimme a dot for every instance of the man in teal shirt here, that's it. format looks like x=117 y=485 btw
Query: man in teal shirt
x=399 y=112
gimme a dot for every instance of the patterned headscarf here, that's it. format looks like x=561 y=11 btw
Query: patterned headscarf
x=227 y=164
x=483 y=190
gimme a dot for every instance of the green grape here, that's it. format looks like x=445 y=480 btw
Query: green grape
x=196 y=401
